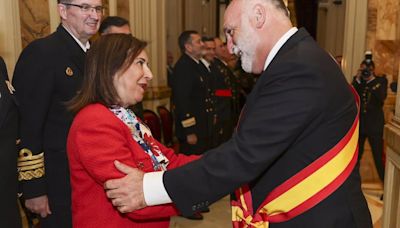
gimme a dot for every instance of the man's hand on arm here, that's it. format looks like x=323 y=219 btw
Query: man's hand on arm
x=126 y=193
x=39 y=205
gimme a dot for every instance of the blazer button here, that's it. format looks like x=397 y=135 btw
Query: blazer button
x=140 y=165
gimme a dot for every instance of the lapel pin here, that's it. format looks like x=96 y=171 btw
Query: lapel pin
x=69 y=71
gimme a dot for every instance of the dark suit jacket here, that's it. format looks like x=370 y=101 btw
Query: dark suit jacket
x=300 y=107
x=48 y=73
x=9 y=212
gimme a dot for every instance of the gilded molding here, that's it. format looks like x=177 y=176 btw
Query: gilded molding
x=156 y=93
x=30 y=166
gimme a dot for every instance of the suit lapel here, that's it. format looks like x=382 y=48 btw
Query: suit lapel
x=72 y=48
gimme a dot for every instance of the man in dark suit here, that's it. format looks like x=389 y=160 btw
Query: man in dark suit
x=193 y=104
x=372 y=91
x=48 y=74
x=298 y=111
x=9 y=212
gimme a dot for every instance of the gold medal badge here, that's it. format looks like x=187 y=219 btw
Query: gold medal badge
x=69 y=71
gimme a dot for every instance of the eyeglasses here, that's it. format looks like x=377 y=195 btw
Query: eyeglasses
x=85 y=8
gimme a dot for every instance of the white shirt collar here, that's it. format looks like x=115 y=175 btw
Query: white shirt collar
x=278 y=46
x=206 y=63
x=84 y=47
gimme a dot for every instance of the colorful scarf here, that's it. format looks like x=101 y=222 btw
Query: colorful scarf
x=142 y=135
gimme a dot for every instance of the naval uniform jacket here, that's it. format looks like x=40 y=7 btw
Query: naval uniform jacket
x=49 y=73
x=9 y=212
x=192 y=100
x=372 y=95
x=300 y=107
x=97 y=138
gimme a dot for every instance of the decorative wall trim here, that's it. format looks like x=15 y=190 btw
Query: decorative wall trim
x=157 y=93
x=392 y=135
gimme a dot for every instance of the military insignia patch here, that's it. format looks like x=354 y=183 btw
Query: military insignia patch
x=69 y=71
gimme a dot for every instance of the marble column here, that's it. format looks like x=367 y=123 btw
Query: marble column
x=354 y=36
x=388 y=39
x=10 y=33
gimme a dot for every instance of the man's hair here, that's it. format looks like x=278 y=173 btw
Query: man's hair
x=108 y=55
x=278 y=4
x=185 y=38
x=112 y=21
x=206 y=39
x=64 y=1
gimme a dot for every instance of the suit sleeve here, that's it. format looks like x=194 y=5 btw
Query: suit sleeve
x=99 y=142
x=270 y=124
x=33 y=81
x=183 y=85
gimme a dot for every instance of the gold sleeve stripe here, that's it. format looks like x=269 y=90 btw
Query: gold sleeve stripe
x=31 y=174
x=30 y=166
x=188 y=122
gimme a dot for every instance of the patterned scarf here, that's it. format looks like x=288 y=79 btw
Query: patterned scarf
x=142 y=135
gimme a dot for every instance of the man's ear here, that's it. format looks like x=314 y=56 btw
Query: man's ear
x=62 y=11
x=188 y=47
x=260 y=15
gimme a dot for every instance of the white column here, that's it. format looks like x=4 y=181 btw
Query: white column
x=355 y=33
x=10 y=33
x=147 y=19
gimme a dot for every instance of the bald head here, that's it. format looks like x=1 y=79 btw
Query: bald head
x=253 y=27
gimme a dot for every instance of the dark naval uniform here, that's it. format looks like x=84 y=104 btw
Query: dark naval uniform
x=48 y=74
x=193 y=105
x=223 y=100
x=372 y=95
x=233 y=84
x=9 y=212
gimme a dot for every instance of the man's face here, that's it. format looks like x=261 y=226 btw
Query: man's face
x=125 y=29
x=220 y=49
x=195 y=47
x=83 y=24
x=239 y=35
x=209 y=51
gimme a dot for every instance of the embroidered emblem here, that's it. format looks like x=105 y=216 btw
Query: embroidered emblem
x=69 y=71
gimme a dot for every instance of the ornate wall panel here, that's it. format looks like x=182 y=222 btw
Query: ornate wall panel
x=35 y=20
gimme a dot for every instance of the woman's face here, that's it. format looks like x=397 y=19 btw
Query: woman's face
x=131 y=84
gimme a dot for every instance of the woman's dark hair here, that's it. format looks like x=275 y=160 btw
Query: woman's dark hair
x=108 y=55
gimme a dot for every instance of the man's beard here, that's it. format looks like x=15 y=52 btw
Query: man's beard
x=246 y=49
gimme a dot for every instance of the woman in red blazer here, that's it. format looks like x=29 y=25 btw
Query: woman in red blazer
x=105 y=130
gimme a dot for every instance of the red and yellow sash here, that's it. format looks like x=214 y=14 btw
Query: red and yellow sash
x=305 y=189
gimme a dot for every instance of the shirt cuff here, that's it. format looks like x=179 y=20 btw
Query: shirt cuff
x=154 y=190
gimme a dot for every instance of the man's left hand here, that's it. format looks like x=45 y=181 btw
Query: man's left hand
x=126 y=193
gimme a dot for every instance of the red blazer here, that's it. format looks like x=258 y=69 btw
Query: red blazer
x=96 y=138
